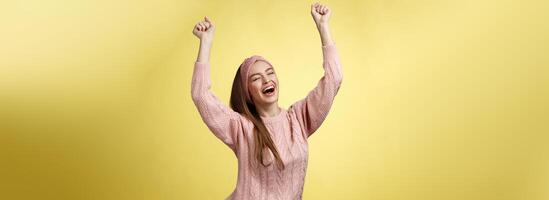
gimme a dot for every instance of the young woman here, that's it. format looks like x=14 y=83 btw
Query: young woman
x=270 y=142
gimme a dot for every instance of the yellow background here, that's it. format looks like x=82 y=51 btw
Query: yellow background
x=440 y=99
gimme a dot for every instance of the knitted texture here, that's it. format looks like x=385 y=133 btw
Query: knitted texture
x=290 y=130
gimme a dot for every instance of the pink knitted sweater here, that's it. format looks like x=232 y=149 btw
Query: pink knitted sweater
x=289 y=131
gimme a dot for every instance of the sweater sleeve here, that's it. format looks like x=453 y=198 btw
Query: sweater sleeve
x=220 y=119
x=312 y=110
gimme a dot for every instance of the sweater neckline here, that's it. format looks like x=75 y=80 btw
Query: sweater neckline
x=275 y=118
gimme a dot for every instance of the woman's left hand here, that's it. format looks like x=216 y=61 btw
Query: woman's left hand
x=321 y=13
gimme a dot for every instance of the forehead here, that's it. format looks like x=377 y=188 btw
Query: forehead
x=259 y=66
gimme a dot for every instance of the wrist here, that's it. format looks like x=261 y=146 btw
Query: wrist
x=322 y=25
x=205 y=42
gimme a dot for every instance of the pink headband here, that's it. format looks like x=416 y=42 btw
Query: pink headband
x=245 y=70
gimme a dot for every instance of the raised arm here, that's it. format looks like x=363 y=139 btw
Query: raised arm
x=204 y=30
x=321 y=15
x=220 y=119
x=312 y=110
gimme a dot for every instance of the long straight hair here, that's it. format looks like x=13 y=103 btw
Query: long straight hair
x=263 y=140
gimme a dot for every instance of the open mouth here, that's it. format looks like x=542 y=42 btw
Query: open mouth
x=269 y=90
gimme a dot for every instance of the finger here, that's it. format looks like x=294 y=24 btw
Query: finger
x=208 y=20
x=204 y=25
x=201 y=27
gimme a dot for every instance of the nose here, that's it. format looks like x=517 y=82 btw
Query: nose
x=266 y=79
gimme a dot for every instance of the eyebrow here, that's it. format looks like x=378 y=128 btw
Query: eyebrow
x=270 y=68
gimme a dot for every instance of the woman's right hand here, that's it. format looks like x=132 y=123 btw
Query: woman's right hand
x=204 y=30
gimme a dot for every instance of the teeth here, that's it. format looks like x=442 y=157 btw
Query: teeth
x=269 y=87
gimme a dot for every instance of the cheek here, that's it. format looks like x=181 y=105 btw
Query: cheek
x=277 y=83
x=274 y=78
x=254 y=88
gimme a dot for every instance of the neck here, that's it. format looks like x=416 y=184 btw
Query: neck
x=269 y=110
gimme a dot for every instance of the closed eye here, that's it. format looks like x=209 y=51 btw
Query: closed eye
x=269 y=70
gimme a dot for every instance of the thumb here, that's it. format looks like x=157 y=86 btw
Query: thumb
x=208 y=20
x=313 y=6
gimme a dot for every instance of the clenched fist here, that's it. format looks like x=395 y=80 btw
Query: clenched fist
x=204 y=30
x=321 y=13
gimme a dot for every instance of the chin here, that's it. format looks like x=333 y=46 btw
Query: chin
x=269 y=100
